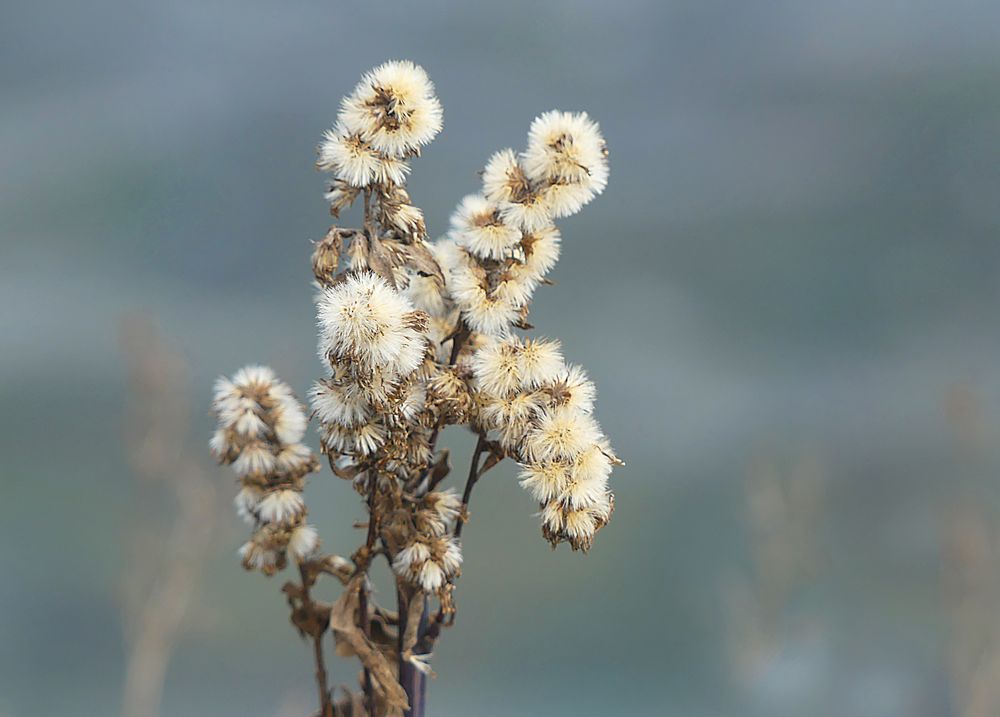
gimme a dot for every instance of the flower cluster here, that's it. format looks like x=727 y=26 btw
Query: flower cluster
x=261 y=425
x=373 y=343
x=432 y=556
x=503 y=241
x=390 y=114
x=416 y=336
x=542 y=410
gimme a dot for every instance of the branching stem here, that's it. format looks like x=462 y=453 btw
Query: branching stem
x=470 y=483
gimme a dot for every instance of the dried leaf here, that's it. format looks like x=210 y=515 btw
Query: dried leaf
x=351 y=640
x=441 y=467
x=341 y=195
x=414 y=612
x=351 y=704
x=420 y=256
x=380 y=259
x=348 y=472
x=382 y=631
x=496 y=455
x=326 y=256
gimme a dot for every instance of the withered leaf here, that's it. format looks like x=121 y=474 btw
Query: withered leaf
x=441 y=467
x=326 y=256
x=351 y=704
x=348 y=472
x=351 y=640
x=420 y=256
x=414 y=612
x=380 y=259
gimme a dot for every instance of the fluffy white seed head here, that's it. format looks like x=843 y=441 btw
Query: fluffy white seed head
x=541 y=252
x=249 y=423
x=446 y=503
x=255 y=461
x=565 y=198
x=571 y=388
x=362 y=440
x=412 y=555
x=504 y=179
x=566 y=147
x=259 y=557
x=302 y=543
x=545 y=481
x=560 y=433
x=289 y=421
x=577 y=526
x=529 y=213
x=496 y=368
x=344 y=405
x=580 y=525
x=246 y=501
x=431 y=577
x=254 y=407
x=294 y=459
x=280 y=506
x=365 y=320
x=477 y=225
x=585 y=489
x=412 y=402
x=512 y=412
x=429 y=562
x=394 y=108
x=221 y=446
x=539 y=361
x=483 y=312
x=356 y=162
x=450 y=558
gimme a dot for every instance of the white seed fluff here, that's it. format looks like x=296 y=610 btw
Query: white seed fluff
x=394 y=108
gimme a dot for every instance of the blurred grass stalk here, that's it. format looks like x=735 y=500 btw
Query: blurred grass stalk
x=167 y=556
x=782 y=511
x=971 y=580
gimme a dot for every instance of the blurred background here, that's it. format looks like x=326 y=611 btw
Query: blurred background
x=787 y=297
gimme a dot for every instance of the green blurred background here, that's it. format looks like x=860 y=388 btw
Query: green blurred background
x=787 y=296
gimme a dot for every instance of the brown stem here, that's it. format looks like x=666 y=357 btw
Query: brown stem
x=461 y=336
x=412 y=680
x=458 y=340
x=325 y=705
x=470 y=483
x=363 y=590
x=369 y=224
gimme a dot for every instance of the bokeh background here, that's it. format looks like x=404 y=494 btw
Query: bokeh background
x=788 y=298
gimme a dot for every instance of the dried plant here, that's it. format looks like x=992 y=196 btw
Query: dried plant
x=783 y=510
x=970 y=550
x=162 y=574
x=972 y=593
x=416 y=336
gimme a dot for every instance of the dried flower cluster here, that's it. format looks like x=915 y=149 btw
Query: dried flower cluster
x=261 y=426
x=415 y=336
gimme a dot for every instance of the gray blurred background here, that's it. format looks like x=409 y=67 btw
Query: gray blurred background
x=787 y=297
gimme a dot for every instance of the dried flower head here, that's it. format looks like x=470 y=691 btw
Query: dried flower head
x=394 y=108
x=477 y=226
x=366 y=321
